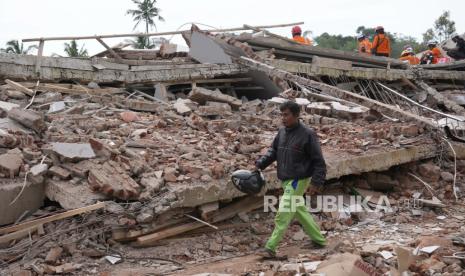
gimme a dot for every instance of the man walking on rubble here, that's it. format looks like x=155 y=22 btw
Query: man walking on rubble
x=300 y=166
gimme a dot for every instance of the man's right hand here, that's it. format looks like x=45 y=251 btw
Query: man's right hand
x=314 y=190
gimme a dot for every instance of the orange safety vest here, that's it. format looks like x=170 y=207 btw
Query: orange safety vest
x=302 y=40
x=364 y=47
x=436 y=54
x=381 y=44
x=412 y=59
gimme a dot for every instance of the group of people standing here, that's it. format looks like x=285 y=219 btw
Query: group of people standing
x=381 y=46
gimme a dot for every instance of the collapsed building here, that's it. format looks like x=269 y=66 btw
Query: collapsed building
x=150 y=137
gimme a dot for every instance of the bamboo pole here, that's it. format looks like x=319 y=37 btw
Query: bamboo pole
x=154 y=34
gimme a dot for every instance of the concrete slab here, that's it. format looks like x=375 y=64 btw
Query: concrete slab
x=31 y=199
x=338 y=164
x=71 y=196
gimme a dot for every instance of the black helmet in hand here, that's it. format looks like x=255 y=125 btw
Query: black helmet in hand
x=248 y=182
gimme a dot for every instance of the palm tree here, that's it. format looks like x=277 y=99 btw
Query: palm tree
x=145 y=12
x=13 y=46
x=72 y=50
x=141 y=42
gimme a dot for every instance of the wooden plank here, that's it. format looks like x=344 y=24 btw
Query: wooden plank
x=63 y=215
x=5 y=239
x=271 y=34
x=244 y=205
x=156 y=34
x=118 y=57
x=151 y=238
x=19 y=87
x=39 y=56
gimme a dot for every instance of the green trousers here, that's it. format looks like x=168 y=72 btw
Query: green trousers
x=292 y=204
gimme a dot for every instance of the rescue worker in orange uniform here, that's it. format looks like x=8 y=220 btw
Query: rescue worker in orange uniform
x=364 y=45
x=381 y=45
x=297 y=36
x=408 y=55
x=432 y=46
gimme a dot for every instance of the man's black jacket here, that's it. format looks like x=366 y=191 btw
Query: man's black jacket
x=298 y=153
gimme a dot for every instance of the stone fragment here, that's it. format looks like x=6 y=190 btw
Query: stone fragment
x=53 y=254
x=39 y=169
x=10 y=164
x=73 y=151
x=214 y=109
x=71 y=196
x=429 y=171
x=7 y=106
x=181 y=106
x=14 y=94
x=139 y=105
x=57 y=107
x=111 y=179
x=129 y=116
x=59 y=172
x=28 y=118
x=447 y=176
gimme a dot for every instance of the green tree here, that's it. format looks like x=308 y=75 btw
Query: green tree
x=72 y=50
x=339 y=42
x=442 y=29
x=13 y=46
x=349 y=43
x=146 y=12
x=369 y=32
x=141 y=42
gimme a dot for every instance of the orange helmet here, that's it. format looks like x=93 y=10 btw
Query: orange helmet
x=296 y=30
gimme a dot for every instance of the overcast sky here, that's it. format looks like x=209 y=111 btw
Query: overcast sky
x=41 y=18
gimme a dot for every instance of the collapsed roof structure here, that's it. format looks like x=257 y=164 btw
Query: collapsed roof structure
x=163 y=129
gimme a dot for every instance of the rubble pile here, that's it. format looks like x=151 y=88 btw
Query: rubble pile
x=104 y=162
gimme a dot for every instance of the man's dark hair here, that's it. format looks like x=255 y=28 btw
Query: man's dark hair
x=293 y=107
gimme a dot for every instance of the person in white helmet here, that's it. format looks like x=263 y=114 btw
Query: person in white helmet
x=364 y=45
x=409 y=56
x=434 y=51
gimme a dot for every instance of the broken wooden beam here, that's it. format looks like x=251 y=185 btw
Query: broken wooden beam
x=244 y=205
x=114 y=54
x=202 y=95
x=154 y=34
x=19 y=87
x=7 y=238
x=52 y=218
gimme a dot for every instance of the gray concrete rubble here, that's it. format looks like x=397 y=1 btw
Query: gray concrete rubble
x=156 y=134
x=73 y=151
